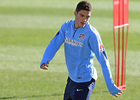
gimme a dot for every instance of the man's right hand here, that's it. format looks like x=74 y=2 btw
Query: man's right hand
x=45 y=65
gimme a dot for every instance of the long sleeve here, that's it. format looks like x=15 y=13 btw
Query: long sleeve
x=99 y=50
x=53 y=46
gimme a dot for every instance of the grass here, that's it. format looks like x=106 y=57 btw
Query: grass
x=27 y=26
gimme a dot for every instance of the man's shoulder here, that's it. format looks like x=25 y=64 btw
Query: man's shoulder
x=68 y=23
x=92 y=30
x=93 y=33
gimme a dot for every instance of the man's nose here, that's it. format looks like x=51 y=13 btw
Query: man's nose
x=85 y=20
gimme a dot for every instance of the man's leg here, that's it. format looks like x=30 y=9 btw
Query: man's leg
x=67 y=94
x=78 y=91
x=84 y=90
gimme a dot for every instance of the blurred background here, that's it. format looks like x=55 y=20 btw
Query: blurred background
x=27 y=27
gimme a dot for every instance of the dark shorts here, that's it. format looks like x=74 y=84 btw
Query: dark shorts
x=78 y=91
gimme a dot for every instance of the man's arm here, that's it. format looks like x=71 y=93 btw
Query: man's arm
x=52 y=48
x=99 y=50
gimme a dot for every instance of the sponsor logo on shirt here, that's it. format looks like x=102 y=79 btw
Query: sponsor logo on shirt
x=73 y=42
x=81 y=36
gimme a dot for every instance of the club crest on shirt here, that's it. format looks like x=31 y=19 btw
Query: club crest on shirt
x=101 y=47
x=81 y=36
x=103 y=50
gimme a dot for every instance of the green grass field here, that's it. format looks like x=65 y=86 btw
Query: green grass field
x=27 y=26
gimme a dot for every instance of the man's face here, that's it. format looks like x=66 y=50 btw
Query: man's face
x=81 y=18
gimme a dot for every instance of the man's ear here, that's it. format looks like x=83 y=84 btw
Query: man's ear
x=75 y=13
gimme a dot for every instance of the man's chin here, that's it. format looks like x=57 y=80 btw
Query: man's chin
x=82 y=25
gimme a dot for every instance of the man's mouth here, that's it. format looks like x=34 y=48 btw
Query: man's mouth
x=82 y=23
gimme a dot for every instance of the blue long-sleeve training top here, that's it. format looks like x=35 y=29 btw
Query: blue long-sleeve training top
x=80 y=46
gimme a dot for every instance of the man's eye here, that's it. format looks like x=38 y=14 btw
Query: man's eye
x=82 y=15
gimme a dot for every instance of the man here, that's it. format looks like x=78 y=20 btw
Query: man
x=81 y=42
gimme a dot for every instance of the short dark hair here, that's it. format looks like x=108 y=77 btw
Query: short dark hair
x=83 y=5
